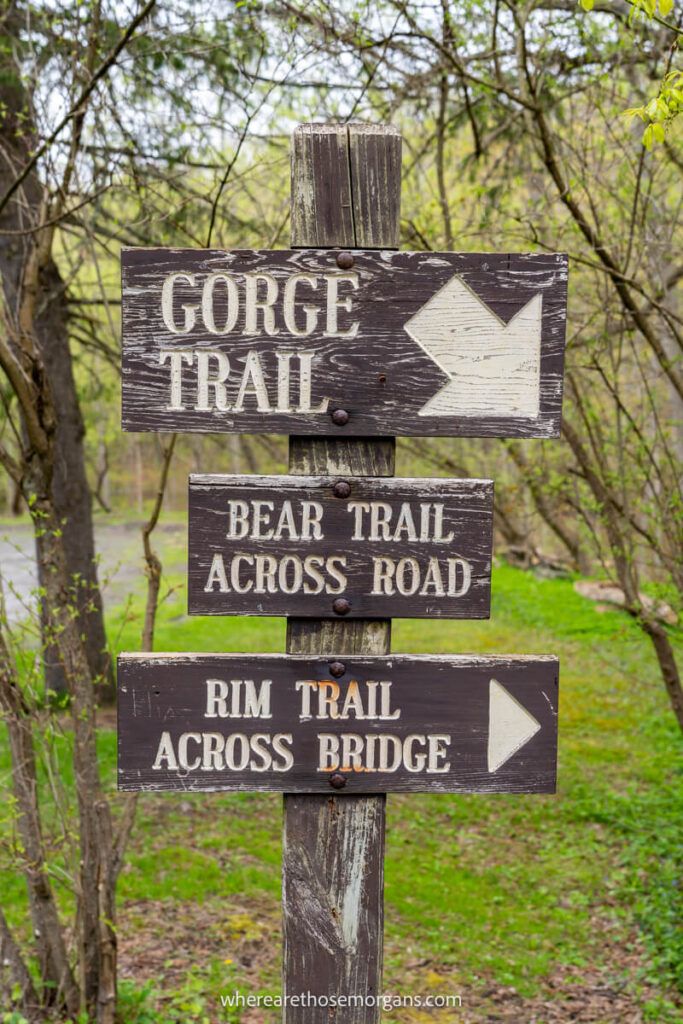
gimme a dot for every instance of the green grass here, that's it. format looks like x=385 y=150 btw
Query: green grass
x=481 y=891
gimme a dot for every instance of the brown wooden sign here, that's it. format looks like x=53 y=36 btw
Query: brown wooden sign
x=446 y=724
x=327 y=546
x=327 y=342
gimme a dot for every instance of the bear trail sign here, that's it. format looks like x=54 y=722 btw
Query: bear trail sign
x=359 y=548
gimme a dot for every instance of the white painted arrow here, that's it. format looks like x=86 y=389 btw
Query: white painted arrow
x=494 y=368
x=510 y=726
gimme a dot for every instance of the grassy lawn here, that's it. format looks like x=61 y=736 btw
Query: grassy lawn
x=530 y=908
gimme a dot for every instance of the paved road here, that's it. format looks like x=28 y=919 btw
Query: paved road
x=121 y=567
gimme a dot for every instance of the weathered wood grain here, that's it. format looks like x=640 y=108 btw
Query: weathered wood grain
x=337 y=455
x=273 y=545
x=493 y=718
x=317 y=956
x=432 y=354
x=334 y=887
x=344 y=191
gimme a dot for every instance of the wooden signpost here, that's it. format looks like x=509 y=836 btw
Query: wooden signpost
x=342 y=342
x=455 y=724
x=356 y=548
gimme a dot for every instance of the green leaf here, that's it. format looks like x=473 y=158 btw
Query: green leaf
x=665 y=7
x=587 y=4
x=647 y=137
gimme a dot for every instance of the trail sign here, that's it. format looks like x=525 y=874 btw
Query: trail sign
x=325 y=342
x=343 y=348
x=316 y=546
x=447 y=724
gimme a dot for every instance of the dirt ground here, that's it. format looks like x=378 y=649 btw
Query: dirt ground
x=159 y=940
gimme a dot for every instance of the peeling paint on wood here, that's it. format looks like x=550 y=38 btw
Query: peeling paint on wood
x=453 y=344
x=362 y=160
x=398 y=723
x=334 y=875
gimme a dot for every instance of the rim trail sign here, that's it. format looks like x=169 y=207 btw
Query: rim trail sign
x=342 y=342
x=401 y=723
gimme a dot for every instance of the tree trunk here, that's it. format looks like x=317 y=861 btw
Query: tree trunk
x=70 y=494
x=55 y=971
x=96 y=910
x=545 y=507
x=666 y=659
x=626 y=572
x=15 y=981
x=35 y=356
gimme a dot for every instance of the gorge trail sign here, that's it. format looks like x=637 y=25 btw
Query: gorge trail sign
x=298 y=724
x=362 y=547
x=325 y=342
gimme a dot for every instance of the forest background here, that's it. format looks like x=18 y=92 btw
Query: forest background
x=527 y=126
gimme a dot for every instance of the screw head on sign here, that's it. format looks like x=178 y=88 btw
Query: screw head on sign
x=340 y=417
x=345 y=260
x=337 y=781
x=337 y=669
x=341 y=606
x=341 y=489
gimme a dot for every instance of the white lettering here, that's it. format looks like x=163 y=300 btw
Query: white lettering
x=290 y=301
x=253 y=383
x=205 y=381
x=217 y=575
x=238 y=512
x=176 y=358
x=183 y=762
x=328 y=752
x=305 y=383
x=165 y=752
x=208 y=301
x=437 y=751
x=334 y=304
x=189 y=312
x=453 y=565
x=283 y=399
x=433 y=579
x=216 y=699
x=305 y=687
x=382 y=576
x=253 y=305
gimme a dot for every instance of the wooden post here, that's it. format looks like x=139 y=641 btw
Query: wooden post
x=346 y=186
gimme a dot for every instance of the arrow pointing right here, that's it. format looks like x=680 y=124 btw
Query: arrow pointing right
x=510 y=726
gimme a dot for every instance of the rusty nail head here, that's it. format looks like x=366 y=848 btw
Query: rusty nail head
x=337 y=669
x=341 y=489
x=337 y=781
x=345 y=260
x=340 y=417
x=341 y=606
